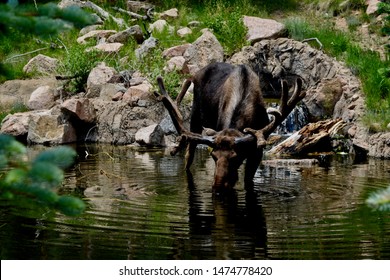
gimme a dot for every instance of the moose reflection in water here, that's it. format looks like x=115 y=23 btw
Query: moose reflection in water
x=232 y=229
x=228 y=107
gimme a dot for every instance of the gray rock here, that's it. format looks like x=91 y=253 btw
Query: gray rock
x=138 y=6
x=117 y=122
x=205 y=50
x=176 y=63
x=141 y=92
x=80 y=109
x=152 y=135
x=108 y=91
x=16 y=124
x=124 y=36
x=95 y=34
x=372 y=6
x=183 y=32
x=43 y=97
x=159 y=26
x=176 y=51
x=108 y=48
x=146 y=47
x=41 y=65
x=260 y=29
x=170 y=14
x=45 y=128
x=19 y=91
x=98 y=76
x=88 y=29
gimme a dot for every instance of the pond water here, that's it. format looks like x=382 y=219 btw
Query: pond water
x=142 y=205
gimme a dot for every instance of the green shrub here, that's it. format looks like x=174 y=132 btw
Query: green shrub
x=380 y=200
x=227 y=24
x=77 y=64
x=33 y=183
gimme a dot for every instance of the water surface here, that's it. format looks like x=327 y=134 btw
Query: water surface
x=142 y=205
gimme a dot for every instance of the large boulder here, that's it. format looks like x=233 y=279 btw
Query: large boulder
x=260 y=29
x=98 y=76
x=139 y=95
x=19 y=91
x=79 y=109
x=205 y=50
x=117 y=122
x=331 y=88
x=16 y=124
x=39 y=127
x=47 y=128
x=41 y=65
x=43 y=97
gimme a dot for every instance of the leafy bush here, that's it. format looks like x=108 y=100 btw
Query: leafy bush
x=77 y=64
x=24 y=183
x=227 y=25
x=380 y=200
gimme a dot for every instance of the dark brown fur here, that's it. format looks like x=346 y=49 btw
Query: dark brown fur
x=228 y=99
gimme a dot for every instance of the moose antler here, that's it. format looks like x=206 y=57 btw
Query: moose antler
x=278 y=116
x=177 y=118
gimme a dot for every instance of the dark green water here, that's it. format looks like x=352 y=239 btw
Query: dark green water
x=142 y=205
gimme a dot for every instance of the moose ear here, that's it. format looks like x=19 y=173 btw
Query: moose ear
x=208 y=132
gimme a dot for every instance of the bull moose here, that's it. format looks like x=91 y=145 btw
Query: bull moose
x=229 y=115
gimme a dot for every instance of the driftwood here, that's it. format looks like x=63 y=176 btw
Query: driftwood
x=148 y=16
x=314 y=137
x=103 y=14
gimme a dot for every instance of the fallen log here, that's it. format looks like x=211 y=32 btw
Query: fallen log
x=314 y=137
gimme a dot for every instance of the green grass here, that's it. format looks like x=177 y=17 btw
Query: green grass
x=15 y=108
